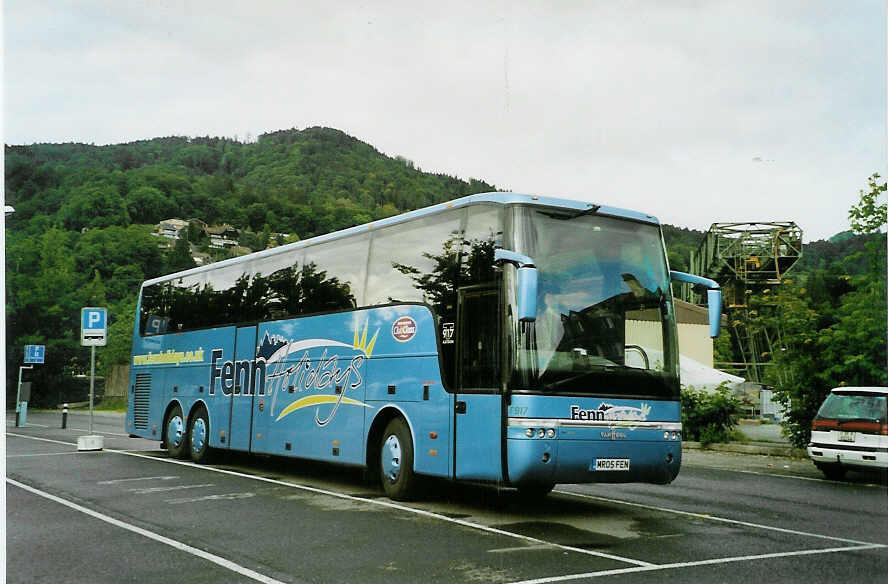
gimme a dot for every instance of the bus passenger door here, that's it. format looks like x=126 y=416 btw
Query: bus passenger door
x=478 y=408
x=242 y=395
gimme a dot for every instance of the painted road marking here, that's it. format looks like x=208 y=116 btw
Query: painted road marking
x=785 y=476
x=50 y=454
x=219 y=561
x=100 y=432
x=714 y=518
x=226 y=497
x=151 y=490
x=377 y=502
x=639 y=565
x=695 y=564
x=116 y=481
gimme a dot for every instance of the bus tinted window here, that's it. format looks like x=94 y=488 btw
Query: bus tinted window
x=478 y=328
x=415 y=261
x=279 y=278
x=154 y=316
x=333 y=274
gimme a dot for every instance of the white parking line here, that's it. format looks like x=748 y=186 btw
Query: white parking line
x=388 y=504
x=152 y=490
x=49 y=454
x=715 y=518
x=699 y=563
x=219 y=561
x=99 y=432
x=639 y=566
x=225 y=497
x=118 y=481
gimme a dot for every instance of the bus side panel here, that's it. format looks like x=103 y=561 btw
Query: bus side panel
x=404 y=372
x=242 y=398
x=430 y=420
x=145 y=405
x=179 y=367
x=312 y=401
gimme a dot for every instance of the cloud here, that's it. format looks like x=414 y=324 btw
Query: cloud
x=661 y=107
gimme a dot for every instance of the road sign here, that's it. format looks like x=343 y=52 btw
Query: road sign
x=93 y=327
x=34 y=353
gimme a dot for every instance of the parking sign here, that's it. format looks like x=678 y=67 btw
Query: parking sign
x=93 y=327
x=35 y=353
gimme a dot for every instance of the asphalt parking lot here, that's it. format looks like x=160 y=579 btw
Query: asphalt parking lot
x=129 y=513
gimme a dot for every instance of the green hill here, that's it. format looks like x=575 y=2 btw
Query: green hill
x=82 y=231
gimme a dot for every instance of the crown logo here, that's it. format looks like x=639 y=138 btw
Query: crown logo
x=360 y=342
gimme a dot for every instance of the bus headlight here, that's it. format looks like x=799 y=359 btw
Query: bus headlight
x=550 y=432
x=541 y=433
x=529 y=432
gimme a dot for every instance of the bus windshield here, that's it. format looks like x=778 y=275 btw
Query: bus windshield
x=605 y=319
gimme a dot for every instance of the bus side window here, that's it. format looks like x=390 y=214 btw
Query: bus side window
x=418 y=262
x=480 y=314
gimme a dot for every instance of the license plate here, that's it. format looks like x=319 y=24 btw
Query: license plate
x=611 y=464
x=846 y=436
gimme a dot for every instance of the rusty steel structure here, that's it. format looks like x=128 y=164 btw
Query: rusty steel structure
x=746 y=259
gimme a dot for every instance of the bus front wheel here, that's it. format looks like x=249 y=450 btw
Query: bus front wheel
x=174 y=433
x=396 y=461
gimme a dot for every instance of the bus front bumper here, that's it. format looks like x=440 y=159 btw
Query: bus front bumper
x=541 y=461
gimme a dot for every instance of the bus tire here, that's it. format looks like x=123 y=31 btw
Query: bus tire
x=199 y=436
x=396 y=461
x=175 y=434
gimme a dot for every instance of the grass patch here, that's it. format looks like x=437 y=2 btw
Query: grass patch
x=111 y=404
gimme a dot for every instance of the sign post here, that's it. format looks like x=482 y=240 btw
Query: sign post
x=93 y=333
x=33 y=354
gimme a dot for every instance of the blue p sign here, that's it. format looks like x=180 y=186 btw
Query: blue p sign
x=93 y=325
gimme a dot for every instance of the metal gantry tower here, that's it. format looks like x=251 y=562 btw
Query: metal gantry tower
x=745 y=259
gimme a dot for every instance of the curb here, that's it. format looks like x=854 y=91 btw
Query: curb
x=776 y=450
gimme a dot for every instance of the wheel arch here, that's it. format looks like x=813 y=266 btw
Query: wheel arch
x=196 y=406
x=383 y=416
x=166 y=414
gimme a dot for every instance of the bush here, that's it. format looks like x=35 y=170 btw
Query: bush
x=708 y=417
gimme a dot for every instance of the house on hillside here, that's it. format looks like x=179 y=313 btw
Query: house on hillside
x=171 y=228
x=222 y=236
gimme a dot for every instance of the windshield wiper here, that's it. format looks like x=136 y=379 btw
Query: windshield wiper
x=596 y=369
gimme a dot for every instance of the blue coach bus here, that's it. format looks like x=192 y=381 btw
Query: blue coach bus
x=509 y=338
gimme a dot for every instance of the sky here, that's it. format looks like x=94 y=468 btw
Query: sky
x=695 y=112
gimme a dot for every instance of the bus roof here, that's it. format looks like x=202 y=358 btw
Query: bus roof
x=502 y=198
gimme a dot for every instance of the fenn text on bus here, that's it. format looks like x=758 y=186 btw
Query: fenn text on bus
x=514 y=339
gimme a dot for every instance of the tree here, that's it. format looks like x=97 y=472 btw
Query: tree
x=180 y=258
x=831 y=333
x=869 y=216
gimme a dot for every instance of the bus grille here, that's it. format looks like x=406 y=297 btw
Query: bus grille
x=142 y=401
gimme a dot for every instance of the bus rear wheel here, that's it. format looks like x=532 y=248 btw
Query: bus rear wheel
x=199 y=436
x=396 y=461
x=175 y=433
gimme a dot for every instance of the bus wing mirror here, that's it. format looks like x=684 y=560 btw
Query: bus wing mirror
x=713 y=298
x=528 y=282
x=527 y=293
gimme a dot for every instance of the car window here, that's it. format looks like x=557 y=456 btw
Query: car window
x=851 y=405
